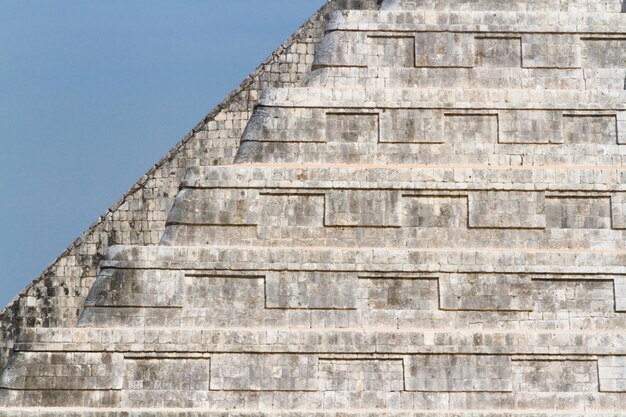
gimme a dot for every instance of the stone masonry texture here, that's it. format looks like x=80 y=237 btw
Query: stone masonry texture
x=412 y=208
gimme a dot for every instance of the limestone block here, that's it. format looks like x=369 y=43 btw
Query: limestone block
x=275 y=124
x=262 y=372
x=471 y=128
x=485 y=292
x=231 y=207
x=392 y=51
x=398 y=293
x=136 y=288
x=612 y=373
x=435 y=211
x=281 y=211
x=530 y=127
x=551 y=51
x=444 y=49
x=458 y=373
x=361 y=375
x=64 y=371
x=352 y=127
x=598 y=52
x=621 y=127
x=584 y=296
x=590 y=129
x=507 y=209
x=356 y=208
x=564 y=376
x=618 y=211
x=498 y=52
x=620 y=294
x=411 y=126
x=342 y=49
x=578 y=213
x=310 y=290
x=162 y=373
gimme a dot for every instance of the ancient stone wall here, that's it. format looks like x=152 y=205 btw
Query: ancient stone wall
x=432 y=222
x=56 y=298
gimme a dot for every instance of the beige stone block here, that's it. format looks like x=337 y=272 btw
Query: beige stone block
x=444 y=49
x=551 y=51
x=507 y=209
x=458 y=373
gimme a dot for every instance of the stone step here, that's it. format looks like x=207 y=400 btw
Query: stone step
x=500 y=75
x=589 y=6
x=172 y=412
x=520 y=22
x=348 y=341
x=444 y=98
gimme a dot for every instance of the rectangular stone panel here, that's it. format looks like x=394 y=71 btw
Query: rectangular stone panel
x=619 y=288
x=542 y=127
x=498 y=52
x=551 y=51
x=136 y=288
x=578 y=213
x=612 y=373
x=618 y=211
x=310 y=290
x=486 y=292
x=392 y=51
x=234 y=292
x=361 y=375
x=471 y=128
x=378 y=293
x=167 y=374
x=72 y=371
x=275 y=124
x=360 y=208
x=352 y=127
x=444 y=49
x=264 y=372
x=435 y=211
x=458 y=373
x=282 y=211
x=587 y=296
x=218 y=206
x=411 y=126
x=507 y=209
x=590 y=129
x=604 y=53
x=564 y=376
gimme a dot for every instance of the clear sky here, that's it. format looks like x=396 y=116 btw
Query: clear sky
x=93 y=93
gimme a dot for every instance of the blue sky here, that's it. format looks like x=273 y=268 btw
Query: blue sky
x=93 y=93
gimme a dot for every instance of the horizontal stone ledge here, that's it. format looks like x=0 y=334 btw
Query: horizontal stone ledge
x=408 y=177
x=196 y=412
x=347 y=259
x=315 y=341
x=442 y=98
x=478 y=21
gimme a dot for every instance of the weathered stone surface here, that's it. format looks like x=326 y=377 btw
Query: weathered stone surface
x=422 y=214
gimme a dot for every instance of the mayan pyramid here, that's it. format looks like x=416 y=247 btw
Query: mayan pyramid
x=412 y=208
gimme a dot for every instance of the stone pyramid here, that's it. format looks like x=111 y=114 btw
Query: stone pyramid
x=424 y=216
